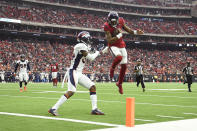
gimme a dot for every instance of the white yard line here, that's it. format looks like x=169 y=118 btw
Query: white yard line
x=170 y=116
x=62 y=119
x=151 y=104
x=190 y=114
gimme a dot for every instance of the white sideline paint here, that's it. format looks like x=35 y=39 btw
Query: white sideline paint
x=190 y=114
x=180 y=125
x=170 y=116
x=109 y=101
x=62 y=119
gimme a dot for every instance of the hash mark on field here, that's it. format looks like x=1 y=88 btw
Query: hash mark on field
x=169 y=116
x=62 y=119
x=190 y=114
x=143 y=120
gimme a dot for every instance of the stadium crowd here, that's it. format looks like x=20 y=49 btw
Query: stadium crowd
x=122 y=8
x=42 y=53
x=82 y=18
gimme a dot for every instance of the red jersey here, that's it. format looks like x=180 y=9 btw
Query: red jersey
x=54 y=68
x=119 y=43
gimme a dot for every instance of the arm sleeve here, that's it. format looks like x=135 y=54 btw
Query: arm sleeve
x=91 y=57
x=28 y=66
x=16 y=67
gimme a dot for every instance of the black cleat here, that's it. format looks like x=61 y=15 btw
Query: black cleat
x=53 y=112
x=143 y=89
x=96 y=112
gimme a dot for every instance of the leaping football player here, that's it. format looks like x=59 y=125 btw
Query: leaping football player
x=24 y=68
x=113 y=33
x=75 y=76
x=54 y=70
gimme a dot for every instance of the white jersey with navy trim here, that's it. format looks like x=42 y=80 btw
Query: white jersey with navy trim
x=23 y=66
x=78 y=61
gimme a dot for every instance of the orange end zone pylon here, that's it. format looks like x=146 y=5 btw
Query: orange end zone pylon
x=130 y=112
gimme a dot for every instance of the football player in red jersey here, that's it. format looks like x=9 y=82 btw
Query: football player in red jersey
x=54 y=70
x=113 y=33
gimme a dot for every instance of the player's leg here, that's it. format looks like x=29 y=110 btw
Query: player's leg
x=87 y=83
x=189 y=81
x=118 y=57
x=138 y=80
x=142 y=83
x=21 y=81
x=122 y=69
x=54 y=78
x=72 y=83
x=26 y=77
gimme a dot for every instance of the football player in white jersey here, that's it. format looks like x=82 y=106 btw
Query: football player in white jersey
x=24 y=68
x=75 y=76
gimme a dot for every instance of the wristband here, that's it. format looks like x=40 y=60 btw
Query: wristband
x=119 y=35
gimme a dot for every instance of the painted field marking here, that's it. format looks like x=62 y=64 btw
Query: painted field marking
x=41 y=91
x=170 y=116
x=144 y=120
x=151 y=104
x=150 y=95
x=62 y=119
x=190 y=114
x=178 y=125
x=60 y=92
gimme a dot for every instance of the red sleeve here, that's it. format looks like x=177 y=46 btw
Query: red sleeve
x=106 y=27
x=121 y=21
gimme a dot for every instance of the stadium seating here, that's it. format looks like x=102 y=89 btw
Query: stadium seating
x=42 y=53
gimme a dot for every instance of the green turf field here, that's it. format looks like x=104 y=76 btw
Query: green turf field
x=160 y=102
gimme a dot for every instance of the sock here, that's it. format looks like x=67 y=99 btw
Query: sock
x=20 y=84
x=116 y=61
x=56 y=81
x=93 y=98
x=59 y=102
x=122 y=73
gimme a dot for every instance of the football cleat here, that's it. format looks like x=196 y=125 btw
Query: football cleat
x=25 y=88
x=120 y=88
x=21 y=90
x=53 y=112
x=97 y=112
x=143 y=89
x=111 y=72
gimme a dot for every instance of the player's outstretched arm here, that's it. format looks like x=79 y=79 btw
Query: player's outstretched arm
x=132 y=32
x=89 y=56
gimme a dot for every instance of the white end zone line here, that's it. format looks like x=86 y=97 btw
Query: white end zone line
x=62 y=119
